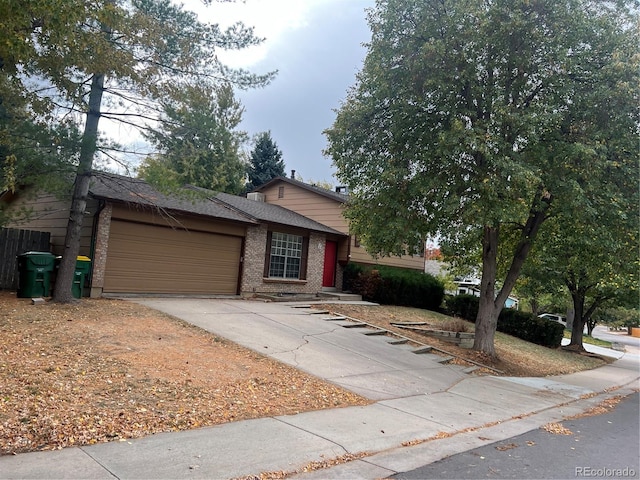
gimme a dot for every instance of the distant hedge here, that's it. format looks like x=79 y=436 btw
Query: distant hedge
x=394 y=286
x=512 y=322
x=463 y=306
x=530 y=328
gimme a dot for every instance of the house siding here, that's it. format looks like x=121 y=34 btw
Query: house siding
x=311 y=205
x=330 y=212
x=360 y=255
x=51 y=214
x=153 y=216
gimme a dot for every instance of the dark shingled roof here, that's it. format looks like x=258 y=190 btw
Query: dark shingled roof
x=268 y=212
x=338 y=197
x=199 y=201
x=119 y=188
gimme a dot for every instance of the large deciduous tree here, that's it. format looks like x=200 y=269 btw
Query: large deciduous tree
x=110 y=59
x=476 y=121
x=265 y=163
x=199 y=142
x=593 y=253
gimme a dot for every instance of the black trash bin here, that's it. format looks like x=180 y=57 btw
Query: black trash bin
x=34 y=270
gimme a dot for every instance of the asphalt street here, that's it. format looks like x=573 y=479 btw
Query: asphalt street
x=600 y=446
x=631 y=344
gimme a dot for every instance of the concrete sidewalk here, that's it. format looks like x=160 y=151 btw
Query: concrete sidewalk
x=424 y=410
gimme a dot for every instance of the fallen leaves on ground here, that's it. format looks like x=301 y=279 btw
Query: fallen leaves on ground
x=504 y=448
x=556 y=429
x=603 y=407
x=310 y=467
x=102 y=370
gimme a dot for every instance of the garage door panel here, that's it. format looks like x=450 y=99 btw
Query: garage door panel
x=151 y=259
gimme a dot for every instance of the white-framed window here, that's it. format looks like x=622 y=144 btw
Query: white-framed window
x=285 y=257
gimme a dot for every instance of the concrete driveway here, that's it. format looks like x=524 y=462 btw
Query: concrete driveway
x=319 y=344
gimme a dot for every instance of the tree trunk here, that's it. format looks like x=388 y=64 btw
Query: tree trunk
x=487 y=318
x=66 y=272
x=491 y=304
x=590 y=326
x=577 y=329
x=578 y=288
x=535 y=307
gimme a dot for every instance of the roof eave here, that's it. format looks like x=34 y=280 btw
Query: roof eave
x=310 y=188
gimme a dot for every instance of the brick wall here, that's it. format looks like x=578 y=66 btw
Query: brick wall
x=339 y=277
x=315 y=266
x=100 y=251
x=255 y=244
x=253 y=280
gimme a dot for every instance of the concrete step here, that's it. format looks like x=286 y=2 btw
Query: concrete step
x=340 y=296
x=334 y=319
x=376 y=332
x=445 y=359
x=425 y=349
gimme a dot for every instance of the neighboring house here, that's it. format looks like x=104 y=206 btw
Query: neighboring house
x=433 y=263
x=143 y=241
x=326 y=206
x=471 y=286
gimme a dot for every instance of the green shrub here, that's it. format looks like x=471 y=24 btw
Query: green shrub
x=394 y=286
x=530 y=328
x=463 y=306
x=512 y=322
x=350 y=276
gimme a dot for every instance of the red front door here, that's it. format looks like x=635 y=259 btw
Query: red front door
x=330 y=260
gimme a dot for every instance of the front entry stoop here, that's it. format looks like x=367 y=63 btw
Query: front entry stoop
x=340 y=296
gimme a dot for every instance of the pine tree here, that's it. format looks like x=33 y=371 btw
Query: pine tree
x=266 y=162
x=198 y=141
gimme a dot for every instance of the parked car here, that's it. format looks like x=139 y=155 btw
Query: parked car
x=554 y=317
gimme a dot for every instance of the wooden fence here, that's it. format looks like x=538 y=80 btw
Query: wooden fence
x=14 y=242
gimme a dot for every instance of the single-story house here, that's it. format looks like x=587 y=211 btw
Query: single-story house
x=142 y=241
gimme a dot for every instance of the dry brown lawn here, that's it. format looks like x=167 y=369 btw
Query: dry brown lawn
x=105 y=370
x=102 y=370
x=515 y=357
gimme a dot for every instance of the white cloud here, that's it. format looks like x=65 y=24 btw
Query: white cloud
x=272 y=20
x=316 y=46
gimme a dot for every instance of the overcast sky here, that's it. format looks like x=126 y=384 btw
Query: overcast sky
x=316 y=46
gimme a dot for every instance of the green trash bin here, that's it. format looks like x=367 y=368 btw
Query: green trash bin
x=83 y=267
x=34 y=270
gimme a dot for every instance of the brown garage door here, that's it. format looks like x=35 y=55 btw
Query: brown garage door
x=151 y=259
